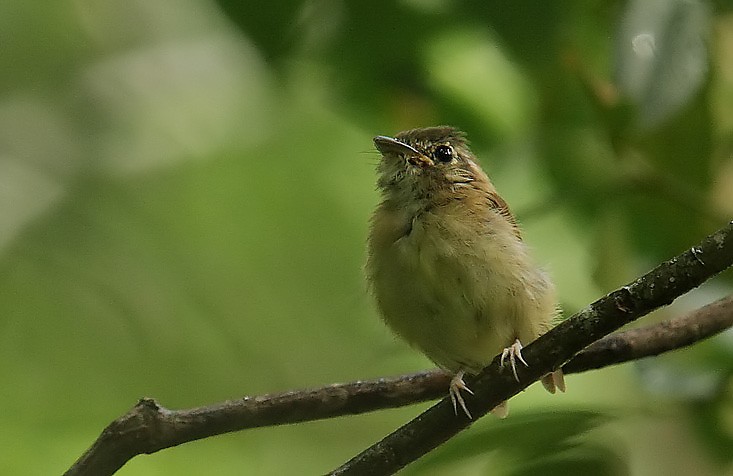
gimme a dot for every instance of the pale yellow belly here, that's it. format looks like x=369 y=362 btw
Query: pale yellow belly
x=460 y=303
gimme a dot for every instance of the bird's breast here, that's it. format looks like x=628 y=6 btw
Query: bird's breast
x=458 y=292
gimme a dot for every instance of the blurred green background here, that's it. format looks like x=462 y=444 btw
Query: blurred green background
x=185 y=190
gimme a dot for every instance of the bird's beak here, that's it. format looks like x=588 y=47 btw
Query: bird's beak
x=387 y=145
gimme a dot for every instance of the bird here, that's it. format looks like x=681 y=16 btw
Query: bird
x=446 y=262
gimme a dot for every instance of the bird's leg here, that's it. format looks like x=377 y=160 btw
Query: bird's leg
x=514 y=353
x=456 y=385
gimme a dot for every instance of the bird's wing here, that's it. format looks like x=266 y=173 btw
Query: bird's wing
x=497 y=203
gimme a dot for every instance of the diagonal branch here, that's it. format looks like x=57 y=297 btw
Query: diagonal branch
x=656 y=339
x=148 y=427
x=655 y=289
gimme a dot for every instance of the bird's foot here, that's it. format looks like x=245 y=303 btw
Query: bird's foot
x=501 y=410
x=456 y=386
x=513 y=353
x=554 y=381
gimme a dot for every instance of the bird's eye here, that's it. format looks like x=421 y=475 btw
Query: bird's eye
x=443 y=153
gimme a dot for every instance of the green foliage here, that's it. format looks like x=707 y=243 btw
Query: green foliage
x=547 y=442
x=185 y=190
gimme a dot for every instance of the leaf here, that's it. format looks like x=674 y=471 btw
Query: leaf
x=527 y=437
x=581 y=459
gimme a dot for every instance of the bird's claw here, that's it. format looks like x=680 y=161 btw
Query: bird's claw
x=456 y=385
x=514 y=353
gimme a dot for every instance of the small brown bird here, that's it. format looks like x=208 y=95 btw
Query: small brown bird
x=446 y=261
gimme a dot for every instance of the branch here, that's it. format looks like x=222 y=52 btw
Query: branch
x=155 y=427
x=656 y=339
x=149 y=427
x=657 y=288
